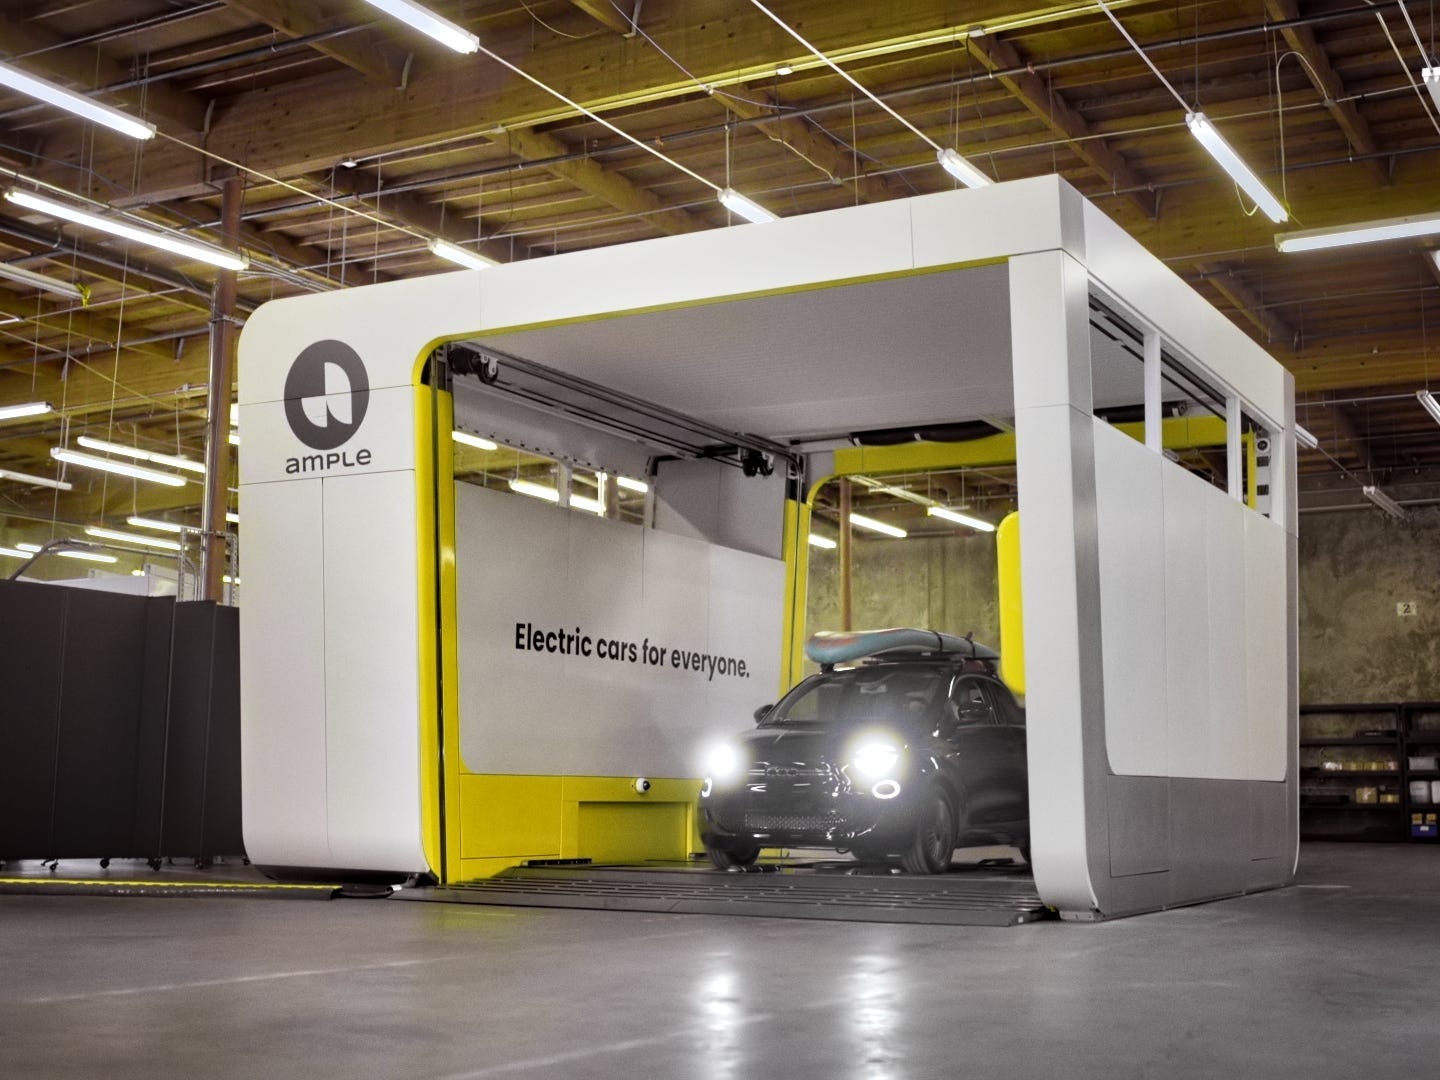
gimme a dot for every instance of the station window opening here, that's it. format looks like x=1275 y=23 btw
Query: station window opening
x=488 y=464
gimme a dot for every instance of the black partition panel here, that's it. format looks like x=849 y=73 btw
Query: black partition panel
x=120 y=737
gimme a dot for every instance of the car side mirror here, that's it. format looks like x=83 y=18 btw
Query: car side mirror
x=762 y=712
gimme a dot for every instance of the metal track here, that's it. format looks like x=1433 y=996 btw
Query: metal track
x=957 y=899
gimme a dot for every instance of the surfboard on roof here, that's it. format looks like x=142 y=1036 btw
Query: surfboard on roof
x=840 y=647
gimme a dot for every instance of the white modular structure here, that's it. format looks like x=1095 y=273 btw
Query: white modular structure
x=384 y=682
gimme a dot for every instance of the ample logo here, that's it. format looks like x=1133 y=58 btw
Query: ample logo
x=327 y=392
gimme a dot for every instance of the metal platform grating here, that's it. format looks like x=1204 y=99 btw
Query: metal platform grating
x=956 y=899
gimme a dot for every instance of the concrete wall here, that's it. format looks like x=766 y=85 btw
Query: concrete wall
x=938 y=583
x=1355 y=566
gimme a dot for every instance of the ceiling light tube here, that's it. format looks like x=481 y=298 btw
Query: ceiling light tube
x=139 y=472
x=962 y=169
x=534 y=490
x=959 y=518
x=13 y=554
x=736 y=203
x=427 y=22
x=188 y=464
x=1431 y=77
x=29 y=408
x=1226 y=157
x=632 y=485
x=464 y=438
x=48 y=284
x=824 y=543
x=70 y=553
x=1305 y=438
x=155 y=523
x=1432 y=406
x=72 y=102
x=226 y=260
x=877 y=526
x=1366 y=232
x=38 y=481
x=133 y=538
x=1383 y=501
x=471 y=260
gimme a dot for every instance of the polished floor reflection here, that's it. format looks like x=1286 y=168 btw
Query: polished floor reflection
x=1331 y=978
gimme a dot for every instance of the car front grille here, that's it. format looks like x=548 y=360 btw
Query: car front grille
x=760 y=821
x=790 y=770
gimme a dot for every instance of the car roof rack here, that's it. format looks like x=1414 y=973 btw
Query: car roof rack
x=830 y=647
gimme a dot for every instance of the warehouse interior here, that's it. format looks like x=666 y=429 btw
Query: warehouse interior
x=296 y=152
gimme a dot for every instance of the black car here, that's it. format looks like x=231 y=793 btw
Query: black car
x=915 y=751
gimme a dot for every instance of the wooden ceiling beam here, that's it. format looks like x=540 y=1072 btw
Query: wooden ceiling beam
x=1057 y=114
x=362 y=51
x=57 y=328
x=607 y=185
x=607 y=15
x=416 y=213
x=808 y=143
x=1322 y=76
x=1274 y=331
x=84 y=69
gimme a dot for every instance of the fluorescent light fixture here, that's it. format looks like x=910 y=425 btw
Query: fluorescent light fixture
x=877 y=526
x=38 y=481
x=1383 y=501
x=30 y=408
x=824 y=542
x=13 y=554
x=1226 y=157
x=427 y=22
x=234 y=438
x=154 y=523
x=471 y=260
x=464 y=438
x=632 y=485
x=1431 y=405
x=48 y=284
x=959 y=518
x=549 y=494
x=232 y=517
x=736 y=203
x=70 y=553
x=1305 y=438
x=228 y=580
x=133 y=538
x=72 y=102
x=1431 y=77
x=188 y=464
x=226 y=260
x=785 y=69
x=962 y=169
x=1366 y=232
x=139 y=472
x=234 y=415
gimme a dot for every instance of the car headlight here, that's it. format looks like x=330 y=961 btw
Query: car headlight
x=875 y=759
x=722 y=763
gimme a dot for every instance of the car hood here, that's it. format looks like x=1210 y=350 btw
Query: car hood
x=806 y=742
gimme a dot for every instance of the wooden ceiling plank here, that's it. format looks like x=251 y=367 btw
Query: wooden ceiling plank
x=1322 y=76
x=362 y=51
x=1060 y=117
x=83 y=69
x=808 y=143
x=605 y=184
x=606 y=14
x=415 y=212
x=1275 y=331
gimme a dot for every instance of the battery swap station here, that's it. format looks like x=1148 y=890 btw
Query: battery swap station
x=418 y=694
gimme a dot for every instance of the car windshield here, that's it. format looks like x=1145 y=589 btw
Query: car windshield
x=908 y=696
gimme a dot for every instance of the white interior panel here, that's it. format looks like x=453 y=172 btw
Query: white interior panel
x=1130 y=511
x=371 y=678
x=1266 y=631
x=282 y=681
x=608 y=586
x=1187 y=621
x=1227 y=756
x=979 y=223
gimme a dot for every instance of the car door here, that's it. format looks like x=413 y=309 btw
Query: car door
x=980 y=752
x=1012 y=771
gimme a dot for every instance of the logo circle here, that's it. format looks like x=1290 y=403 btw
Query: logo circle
x=310 y=391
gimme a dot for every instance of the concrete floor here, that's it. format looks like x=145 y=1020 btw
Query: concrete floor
x=1335 y=977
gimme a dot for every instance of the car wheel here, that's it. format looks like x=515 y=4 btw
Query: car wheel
x=732 y=858
x=934 y=841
